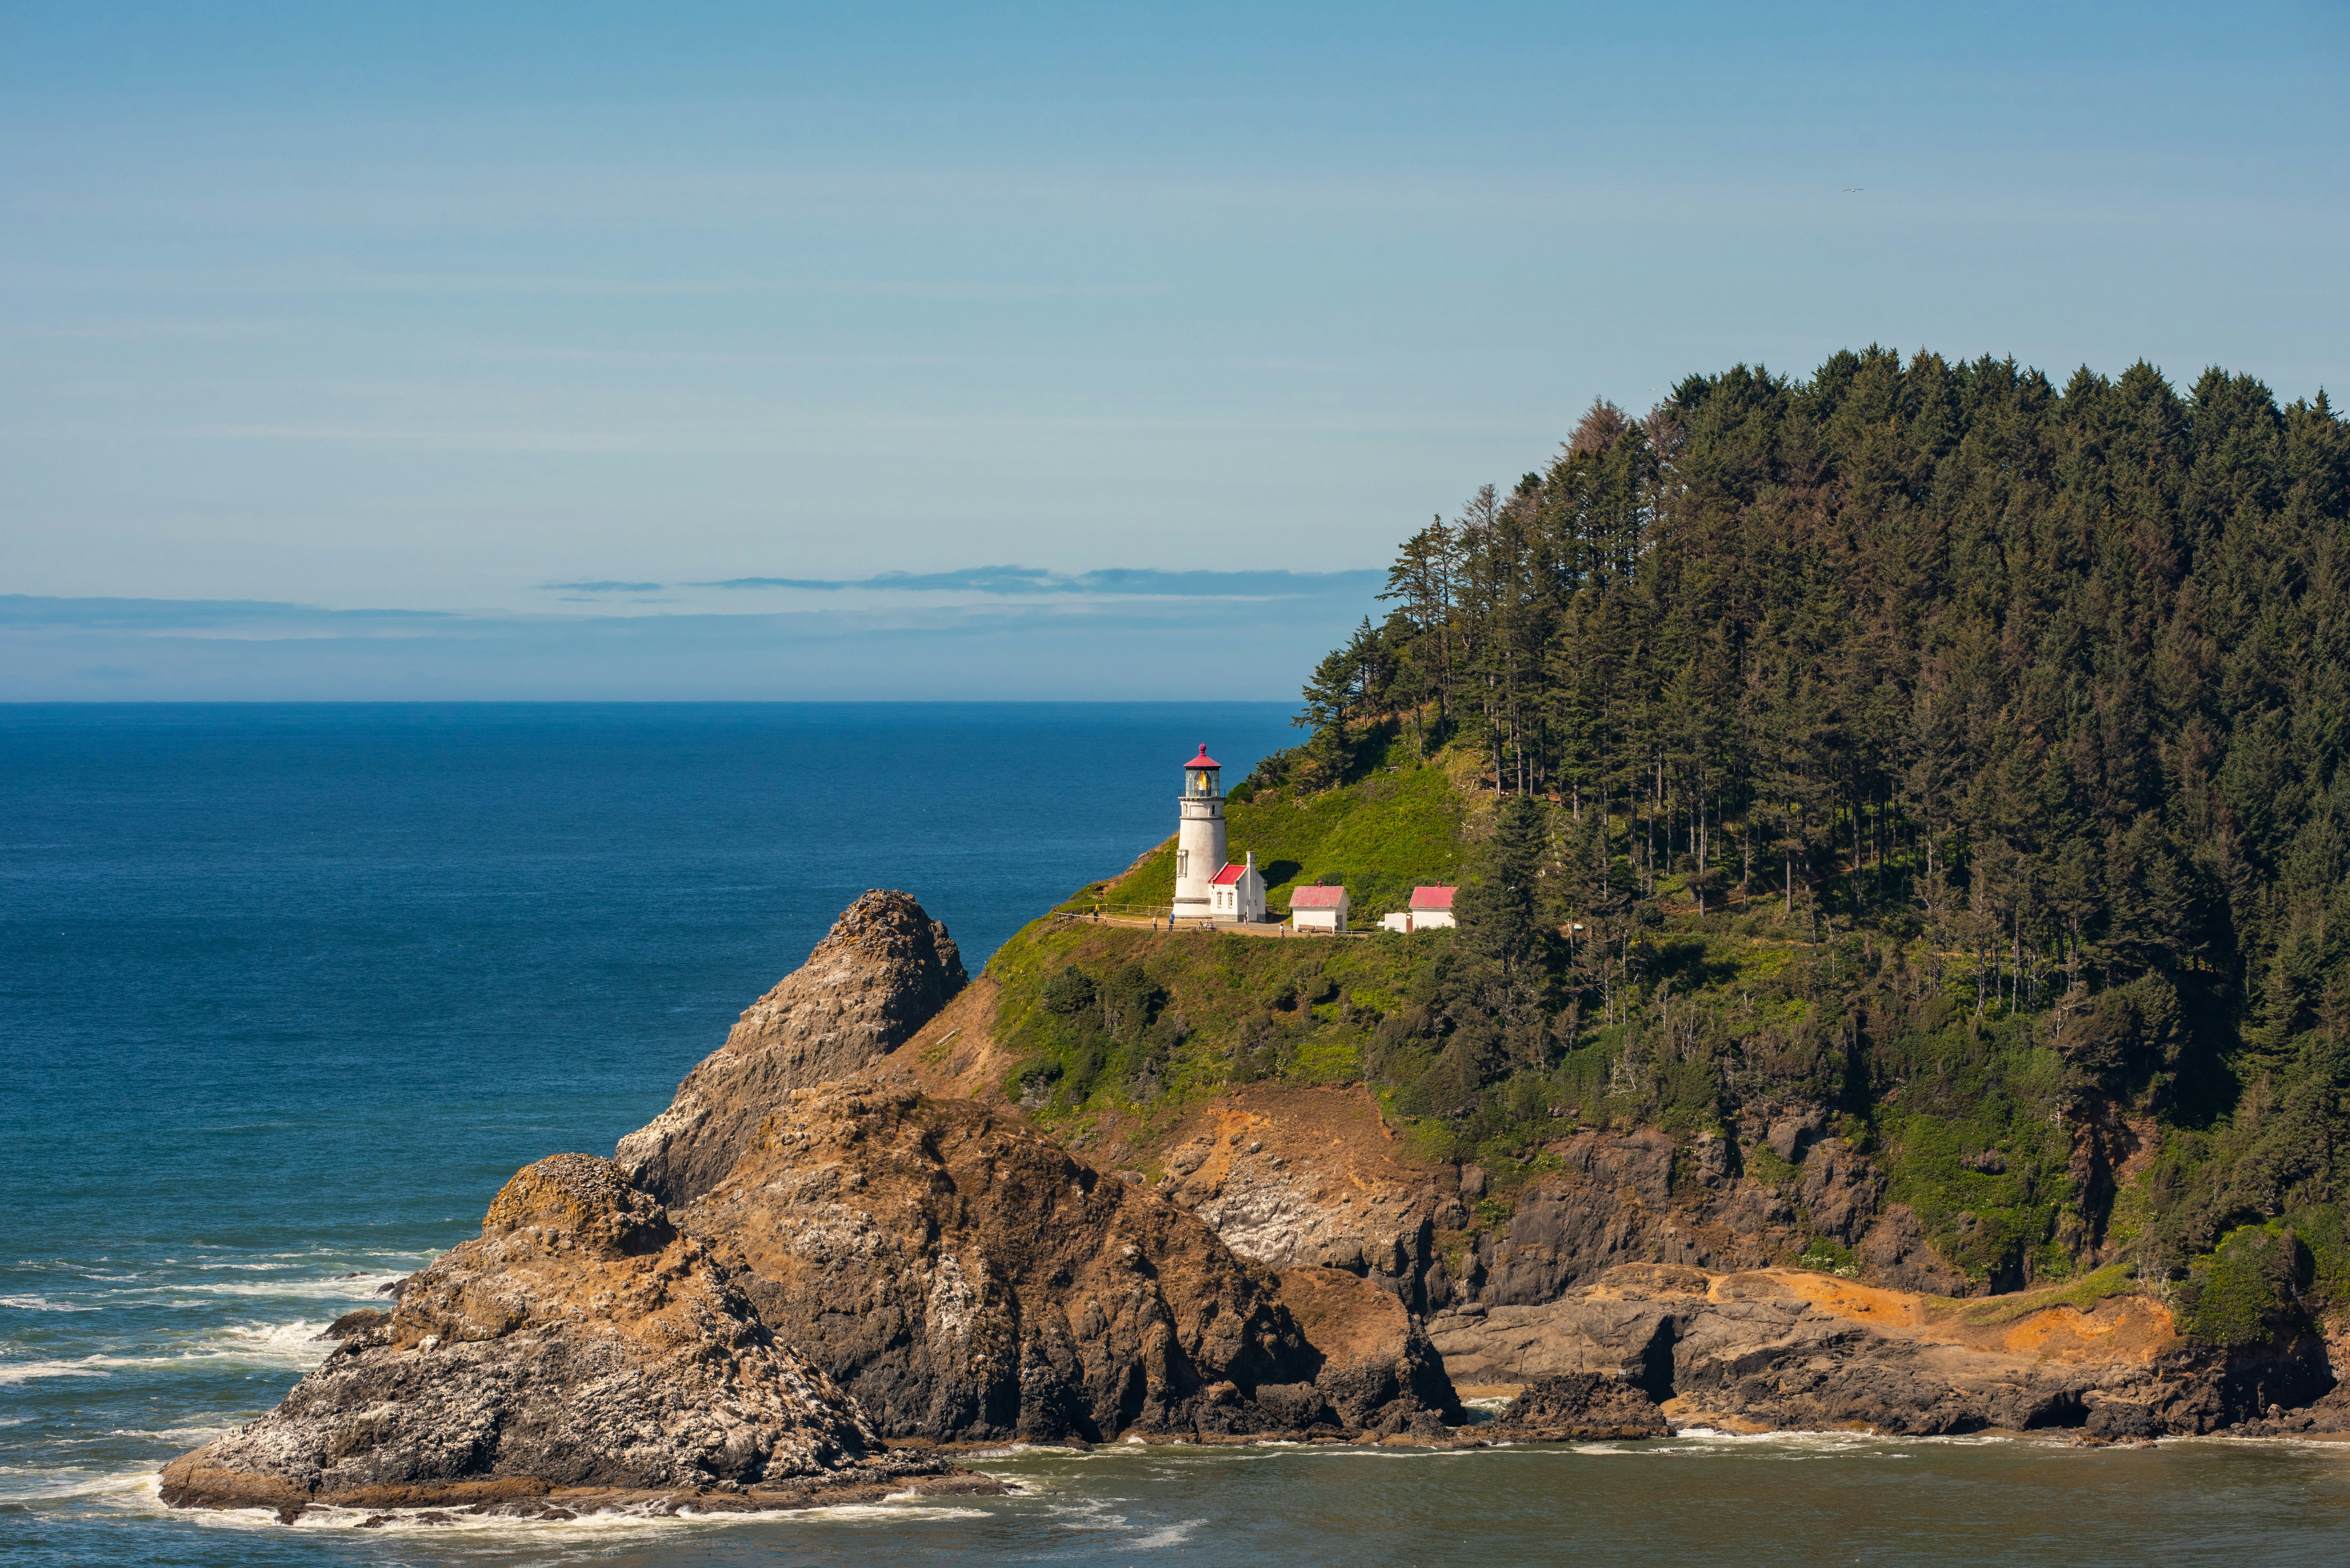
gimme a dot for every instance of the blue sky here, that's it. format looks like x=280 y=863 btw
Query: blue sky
x=454 y=308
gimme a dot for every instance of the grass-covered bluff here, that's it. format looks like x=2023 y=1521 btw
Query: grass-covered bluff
x=1657 y=1015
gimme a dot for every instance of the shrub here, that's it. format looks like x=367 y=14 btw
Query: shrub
x=2247 y=1289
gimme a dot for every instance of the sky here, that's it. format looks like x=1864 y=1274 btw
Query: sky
x=741 y=352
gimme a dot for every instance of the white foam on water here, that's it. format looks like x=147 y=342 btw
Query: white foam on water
x=274 y=1344
x=886 y=1511
x=42 y=1304
x=1086 y=1513
x=305 y=1290
x=256 y=1266
x=1700 y=1442
x=27 y=1371
x=27 y=1484
x=586 y=1529
x=1169 y=1536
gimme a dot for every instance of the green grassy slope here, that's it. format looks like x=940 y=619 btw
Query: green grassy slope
x=1682 y=1021
x=1399 y=828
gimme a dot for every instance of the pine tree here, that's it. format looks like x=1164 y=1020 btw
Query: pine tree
x=1500 y=913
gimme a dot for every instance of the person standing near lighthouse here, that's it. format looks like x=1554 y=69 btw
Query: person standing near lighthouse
x=1207 y=887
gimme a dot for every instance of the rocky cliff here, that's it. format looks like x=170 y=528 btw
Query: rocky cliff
x=1520 y=1272
x=583 y=1353
x=884 y=970
x=839 y=1246
x=1793 y=1349
x=1290 y=1175
x=967 y=1279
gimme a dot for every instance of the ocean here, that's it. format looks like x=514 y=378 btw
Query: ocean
x=287 y=992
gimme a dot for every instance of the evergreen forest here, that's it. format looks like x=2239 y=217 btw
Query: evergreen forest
x=1957 y=751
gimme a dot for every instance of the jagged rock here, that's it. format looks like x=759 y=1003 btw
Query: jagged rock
x=1274 y=1218
x=1790 y=1135
x=968 y=1279
x=1604 y=1210
x=1378 y=1371
x=1772 y=1349
x=352 y=1323
x=1582 y=1407
x=876 y=977
x=1897 y=1254
x=2120 y=1420
x=581 y=1349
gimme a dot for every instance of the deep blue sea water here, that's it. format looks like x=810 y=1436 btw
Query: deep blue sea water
x=288 y=992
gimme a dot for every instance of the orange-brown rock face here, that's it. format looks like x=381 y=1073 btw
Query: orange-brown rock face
x=1790 y=1348
x=581 y=1349
x=966 y=1279
x=885 y=969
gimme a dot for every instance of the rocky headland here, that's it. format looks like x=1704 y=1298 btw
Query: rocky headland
x=583 y=1353
x=798 y=1284
x=1661 y=1263
x=845 y=1251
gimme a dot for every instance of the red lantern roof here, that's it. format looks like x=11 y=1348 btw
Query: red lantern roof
x=1203 y=759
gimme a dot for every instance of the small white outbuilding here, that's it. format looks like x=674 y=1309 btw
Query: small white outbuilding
x=1237 y=893
x=1318 y=908
x=1431 y=908
x=1428 y=910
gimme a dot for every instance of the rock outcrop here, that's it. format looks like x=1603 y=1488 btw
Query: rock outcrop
x=881 y=973
x=967 y=1279
x=1626 y=1198
x=1581 y=1406
x=581 y=1353
x=1787 y=1349
x=1290 y=1175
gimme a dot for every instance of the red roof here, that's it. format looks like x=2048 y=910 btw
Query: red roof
x=1231 y=873
x=1316 y=898
x=1433 y=897
x=1203 y=759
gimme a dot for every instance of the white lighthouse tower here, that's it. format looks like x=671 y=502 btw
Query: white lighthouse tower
x=1208 y=887
x=1199 y=836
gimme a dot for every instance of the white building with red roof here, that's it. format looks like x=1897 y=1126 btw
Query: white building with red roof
x=1318 y=908
x=1237 y=893
x=1428 y=910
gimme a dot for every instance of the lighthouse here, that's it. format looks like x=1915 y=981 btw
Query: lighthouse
x=1207 y=886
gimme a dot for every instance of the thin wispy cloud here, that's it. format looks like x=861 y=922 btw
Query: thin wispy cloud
x=987 y=632
x=32 y=612
x=1125 y=581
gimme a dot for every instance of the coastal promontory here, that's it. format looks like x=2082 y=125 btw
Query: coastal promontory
x=581 y=1353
